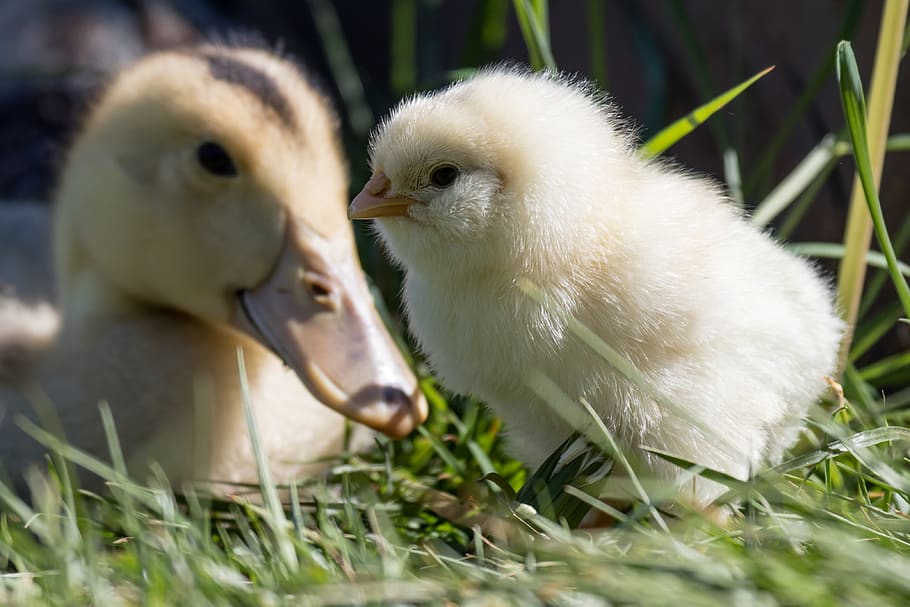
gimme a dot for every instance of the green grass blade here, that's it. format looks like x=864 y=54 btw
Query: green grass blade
x=85 y=460
x=733 y=177
x=685 y=125
x=442 y=451
x=522 y=13
x=867 y=333
x=854 y=106
x=577 y=463
x=877 y=282
x=835 y=250
x=495 y=24
x=858 y=233
x=534 y=24
x=809 y=168
x=486 y=34
x=403 y=77
x=597 y=41
x=898 y=143
x=872 y=329
x=278 y=521
x=714 y=475
x=879 y=371
x=801 y=205
x=860 y=440
x=857 y=390
x=582 y=417
x=338 y=54
x=486 y=466
x=542 y=16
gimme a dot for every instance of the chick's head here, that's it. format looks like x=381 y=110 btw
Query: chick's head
x=435 y=159
x=490 y=168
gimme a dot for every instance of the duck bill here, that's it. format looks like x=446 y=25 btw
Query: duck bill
x=372 y=202
x=316 y=312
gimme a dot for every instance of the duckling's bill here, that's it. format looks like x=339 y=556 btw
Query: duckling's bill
x=372 y=201
x=315 y=311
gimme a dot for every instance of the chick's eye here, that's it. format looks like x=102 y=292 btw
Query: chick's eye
x=443 y=176
x=215 y=159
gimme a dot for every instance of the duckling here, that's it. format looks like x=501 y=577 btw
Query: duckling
x=511 y=182
x=201 y=212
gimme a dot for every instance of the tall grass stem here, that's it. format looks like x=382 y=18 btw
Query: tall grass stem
x=858 y=234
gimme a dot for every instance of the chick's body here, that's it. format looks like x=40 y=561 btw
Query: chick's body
x=732 y=335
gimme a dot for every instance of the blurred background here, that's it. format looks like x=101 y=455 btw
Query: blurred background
x=658 y=60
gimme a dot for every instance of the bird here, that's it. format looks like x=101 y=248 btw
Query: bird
x=199 y=218
x=529 y=226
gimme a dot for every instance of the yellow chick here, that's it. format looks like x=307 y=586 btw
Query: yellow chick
x=512 y=178
x=201 y=210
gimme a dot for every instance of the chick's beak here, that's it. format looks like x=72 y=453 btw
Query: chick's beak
x=373 y=201
x=316 y=312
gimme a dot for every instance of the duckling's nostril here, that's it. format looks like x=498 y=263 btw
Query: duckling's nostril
x=320 y=290
x=393 y=396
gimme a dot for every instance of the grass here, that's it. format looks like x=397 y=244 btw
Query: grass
x=869 y=151
x=445 y=517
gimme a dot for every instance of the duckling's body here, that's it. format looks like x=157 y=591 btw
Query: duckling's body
x=509 y=183
x=173 y=388
x=201 y=211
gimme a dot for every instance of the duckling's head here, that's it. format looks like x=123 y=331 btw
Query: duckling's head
x=489 y=168
x=210 y=181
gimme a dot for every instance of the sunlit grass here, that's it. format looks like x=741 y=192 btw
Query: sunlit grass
x=829 y=526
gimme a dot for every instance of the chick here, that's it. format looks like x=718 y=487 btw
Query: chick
x=512 y=178
x=201 y=211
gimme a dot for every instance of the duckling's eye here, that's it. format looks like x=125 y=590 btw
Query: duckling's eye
x=215 y=159
x=443 y=176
